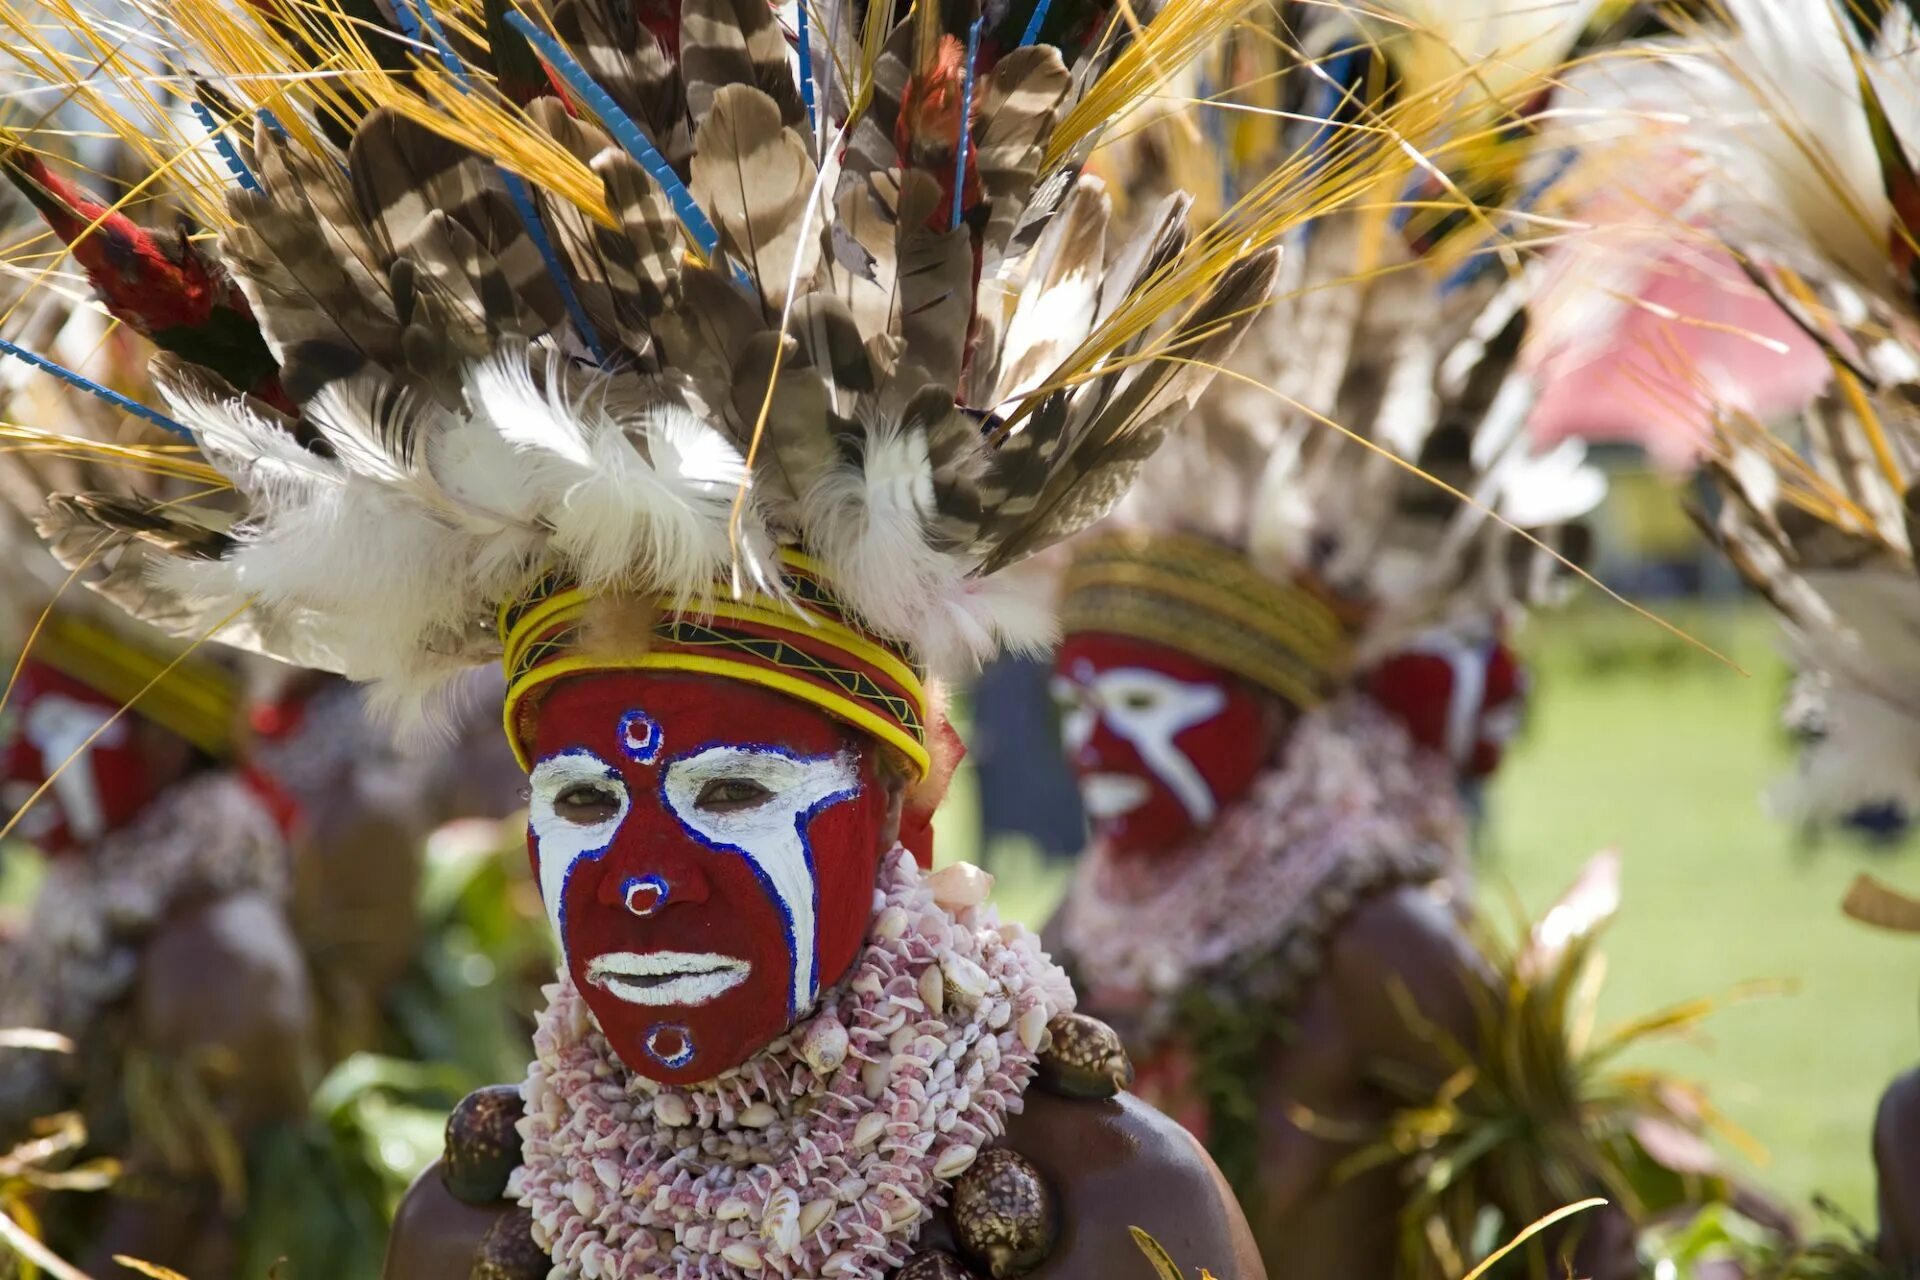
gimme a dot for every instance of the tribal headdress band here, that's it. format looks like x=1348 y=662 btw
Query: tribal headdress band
x=1205 y=599
x=803 y=645
x=196 y=699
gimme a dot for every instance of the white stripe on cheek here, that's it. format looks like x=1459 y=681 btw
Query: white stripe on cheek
x=559 y=845
x=770 y=835
x=1169 y=708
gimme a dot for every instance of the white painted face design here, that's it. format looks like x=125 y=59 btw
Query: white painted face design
x=769 y=829
x=1148 y=710
x=61 y=728
x=561 y=844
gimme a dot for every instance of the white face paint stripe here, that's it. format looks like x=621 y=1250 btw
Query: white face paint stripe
x=560 y=845
x=770 y=835
x=59 y=728
x=1149 y=709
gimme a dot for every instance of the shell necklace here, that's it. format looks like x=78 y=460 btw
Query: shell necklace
x=823 y=1154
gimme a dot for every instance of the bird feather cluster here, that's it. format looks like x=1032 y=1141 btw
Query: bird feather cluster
x=1370 y=431
x=1819 y=198
x=641 y=292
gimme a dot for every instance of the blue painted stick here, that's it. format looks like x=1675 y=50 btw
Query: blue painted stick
x=806 y=64
x=517 y=190
x=228 y=152
x=966 y=118
x=93 y=388
x=624 y=130
x=1032 y=32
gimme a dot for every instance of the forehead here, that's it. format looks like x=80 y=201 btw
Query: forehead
x=673 y=712
x=1087 y=654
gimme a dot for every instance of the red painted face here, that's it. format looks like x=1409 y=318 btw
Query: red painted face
x=1460 y=699
x=707 y=851
x=1161 y=742
x=48 y=719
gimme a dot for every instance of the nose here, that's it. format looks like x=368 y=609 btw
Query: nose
x=1099 y=746
x=648 y=891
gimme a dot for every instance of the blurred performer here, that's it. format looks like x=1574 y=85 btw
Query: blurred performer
x=158 y=942
x=713 y=553
x=1284 y=658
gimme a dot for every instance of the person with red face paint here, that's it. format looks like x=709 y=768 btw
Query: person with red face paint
x=157 y=942
x=1275 y=676
x=718 y=463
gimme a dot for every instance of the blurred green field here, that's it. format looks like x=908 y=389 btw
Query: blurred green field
x=1641 y=743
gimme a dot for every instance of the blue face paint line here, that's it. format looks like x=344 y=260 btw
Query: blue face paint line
x=797 y=999
x=640 y=737
x=671 y=1061
x=93 y=388
x=633 y=883
x=580 y=857
x=224 y=145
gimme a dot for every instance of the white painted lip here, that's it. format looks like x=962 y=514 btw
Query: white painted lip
x=1111 y=795
x=681 y=979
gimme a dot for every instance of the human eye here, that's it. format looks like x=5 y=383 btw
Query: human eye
x=729 y=795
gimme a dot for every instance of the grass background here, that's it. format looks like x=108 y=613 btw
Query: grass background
x=1639 y=742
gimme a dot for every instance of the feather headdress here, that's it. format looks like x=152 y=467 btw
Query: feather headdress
x=1390 y=350
x=652 y=301
x=1817 y=518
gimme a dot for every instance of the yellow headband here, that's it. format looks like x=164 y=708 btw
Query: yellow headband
x=804 y=646
x=198 y=700
x=1202 y=598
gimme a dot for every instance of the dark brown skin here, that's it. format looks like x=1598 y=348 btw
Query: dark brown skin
x=1112 y=1165
x=222 y=985
x=1309 y=1225
x=1896 y=1157
x=1318 y=1105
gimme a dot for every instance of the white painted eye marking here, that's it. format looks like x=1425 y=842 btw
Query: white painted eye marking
x=771 y=834
x=59 y=728
x=1077 y=714
x=560 y=845
x=640 y=737
x=1150 y=709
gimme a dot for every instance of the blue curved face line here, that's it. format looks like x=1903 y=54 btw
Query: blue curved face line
x=640 y=737
x=557 y=908
x=797 y=998
x=631 y=883
x=672 y=1061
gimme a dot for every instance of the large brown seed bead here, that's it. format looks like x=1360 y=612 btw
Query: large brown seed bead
x=507 y=1251
x=1084 y=1060
x=934 y=1264
x=483 y=1146
x=1003 y=1214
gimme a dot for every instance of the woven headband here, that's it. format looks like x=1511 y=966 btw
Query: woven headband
x=198 y=700
x=804 y=646
x=1205 y=600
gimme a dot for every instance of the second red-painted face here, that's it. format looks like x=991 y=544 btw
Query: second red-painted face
x=707 y=852
x=52 y=719
x=1161 y=742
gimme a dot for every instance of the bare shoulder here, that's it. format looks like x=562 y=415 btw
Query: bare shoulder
x=436 y=1237
x=1117 y=1164
x=1404 y=944
x=227 y=978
